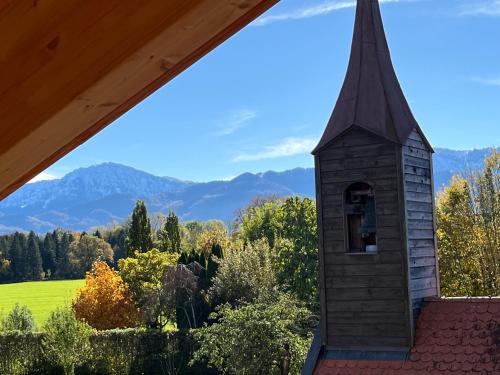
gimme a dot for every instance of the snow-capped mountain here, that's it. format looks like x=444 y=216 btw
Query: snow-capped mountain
x=106 y=193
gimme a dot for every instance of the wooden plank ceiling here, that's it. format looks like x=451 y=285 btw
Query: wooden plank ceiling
x=69 y=68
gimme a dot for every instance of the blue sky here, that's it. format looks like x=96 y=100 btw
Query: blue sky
x=261 y=100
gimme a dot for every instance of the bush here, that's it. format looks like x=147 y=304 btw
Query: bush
x=151 y=352
x=127 y=350
x=20 y=353
x=256 y=339
x=132 y=351
x=19 y=319
x=121 y=351
x=66 y=340
x=105 y=301
x=244 y=275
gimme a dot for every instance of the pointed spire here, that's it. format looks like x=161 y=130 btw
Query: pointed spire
x=371 y=96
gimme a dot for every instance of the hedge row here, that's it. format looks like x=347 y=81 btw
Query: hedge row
x=123 y=352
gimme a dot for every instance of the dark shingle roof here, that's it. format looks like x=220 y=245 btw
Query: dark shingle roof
x=371 y=96
x=453 y=336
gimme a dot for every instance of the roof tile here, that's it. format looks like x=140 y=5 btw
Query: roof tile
x=453 y=336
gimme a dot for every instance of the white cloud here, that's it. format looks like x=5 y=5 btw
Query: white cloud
x=313 y=11
x=287 y=147
x=42 y=177
x=488 y=81
x=316 y=10
x=481 y=8
x=237 y=120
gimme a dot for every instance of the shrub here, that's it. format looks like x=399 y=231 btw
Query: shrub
x=244 y=275
x=66 y=340
x=20 y=353
x=19 y=319
x=116 y=350
x=255 y=339
x=121 y=351
x=132 y=351
x=105 y=302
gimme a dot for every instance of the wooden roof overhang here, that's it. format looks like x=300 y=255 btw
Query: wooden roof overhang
x=69 y=68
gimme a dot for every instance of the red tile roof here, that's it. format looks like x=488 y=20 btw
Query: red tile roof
x=453 y=336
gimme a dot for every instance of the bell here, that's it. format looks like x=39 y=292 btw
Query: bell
x=368 y=222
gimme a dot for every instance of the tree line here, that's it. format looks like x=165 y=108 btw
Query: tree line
x=200 y=278
x=64 y=254
x=56 y=255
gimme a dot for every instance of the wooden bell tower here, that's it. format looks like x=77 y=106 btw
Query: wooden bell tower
x=375 y=206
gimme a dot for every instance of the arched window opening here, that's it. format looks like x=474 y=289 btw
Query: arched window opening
x=360 y=217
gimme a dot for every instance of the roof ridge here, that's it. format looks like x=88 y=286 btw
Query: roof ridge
x=463 y=299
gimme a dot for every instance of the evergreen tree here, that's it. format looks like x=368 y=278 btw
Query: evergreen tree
x=48 y=253
x=117 y=239
x=3 y=246
x=33 y=259
x=17 y=254
x=4 y=262
x=170 y=234
x=62 y=249
x=98 y=234
x=139 y=235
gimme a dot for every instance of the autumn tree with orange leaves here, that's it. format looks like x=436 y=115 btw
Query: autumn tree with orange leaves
x=105 y=302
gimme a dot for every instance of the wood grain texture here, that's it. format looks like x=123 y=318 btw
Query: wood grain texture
x=406 y=256
x=72 y=67
x=438 y=282
x=323 y=249
x=419 y=201
x=371 y=138
x=364 y=282
x=381 y=343
x=366 y=295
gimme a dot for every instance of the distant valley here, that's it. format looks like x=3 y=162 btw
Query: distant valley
x=106 y=193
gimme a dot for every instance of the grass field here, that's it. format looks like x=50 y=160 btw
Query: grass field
x=40 y=296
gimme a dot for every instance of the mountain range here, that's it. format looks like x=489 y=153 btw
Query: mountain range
x=106 y=193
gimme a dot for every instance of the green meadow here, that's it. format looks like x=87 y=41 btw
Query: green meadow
x=40 y=296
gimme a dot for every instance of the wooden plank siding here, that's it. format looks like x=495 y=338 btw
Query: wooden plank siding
x=365 y=295
x=420 y=220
